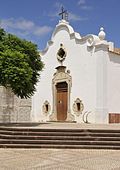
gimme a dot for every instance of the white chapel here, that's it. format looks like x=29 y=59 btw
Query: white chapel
x=80 y=82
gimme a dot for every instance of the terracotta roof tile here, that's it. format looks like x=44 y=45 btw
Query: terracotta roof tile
x=116 y=51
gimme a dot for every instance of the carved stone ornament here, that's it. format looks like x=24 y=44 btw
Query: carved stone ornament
x=90 y=42
x=78 y=107
x=61 y=76
x=61 y=54
x=46 y=108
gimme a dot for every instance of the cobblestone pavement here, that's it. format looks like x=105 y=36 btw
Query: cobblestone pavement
x=59 y=159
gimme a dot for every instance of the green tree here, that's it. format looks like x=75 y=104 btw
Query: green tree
x=20 y=64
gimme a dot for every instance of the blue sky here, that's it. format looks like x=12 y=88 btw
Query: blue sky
x=35 y=20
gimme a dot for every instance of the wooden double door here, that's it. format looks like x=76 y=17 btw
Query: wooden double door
x=62 y=101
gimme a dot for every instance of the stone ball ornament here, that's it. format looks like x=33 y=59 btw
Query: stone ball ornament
x=61 y=54
x=101 y=34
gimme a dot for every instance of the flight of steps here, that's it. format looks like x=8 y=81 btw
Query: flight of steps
x=30 y=137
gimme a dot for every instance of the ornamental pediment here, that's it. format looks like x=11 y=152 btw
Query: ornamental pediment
x=61 y=76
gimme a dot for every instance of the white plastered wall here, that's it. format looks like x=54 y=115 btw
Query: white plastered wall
x=82 y=65
x=101 y=113
x=114 y=83
x=88 y=68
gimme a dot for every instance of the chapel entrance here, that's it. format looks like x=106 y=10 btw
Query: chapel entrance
x=61 y=90
x=62 y=100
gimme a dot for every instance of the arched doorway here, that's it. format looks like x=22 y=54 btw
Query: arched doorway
x=61 y=88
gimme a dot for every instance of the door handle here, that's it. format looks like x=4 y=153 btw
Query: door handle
x=60 y=101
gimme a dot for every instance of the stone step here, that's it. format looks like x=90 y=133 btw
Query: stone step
x=35 y=146
x=21 y=124
x=28 y=129
x=98 y=138
x=60 y=142
x=59 y=133
x=26 y=137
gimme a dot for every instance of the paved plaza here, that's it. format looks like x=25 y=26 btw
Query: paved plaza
x=59 y=159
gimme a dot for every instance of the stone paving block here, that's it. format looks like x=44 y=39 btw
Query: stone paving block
x=59 y=159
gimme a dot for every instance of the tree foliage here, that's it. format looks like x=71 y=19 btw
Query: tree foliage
x=20 y=64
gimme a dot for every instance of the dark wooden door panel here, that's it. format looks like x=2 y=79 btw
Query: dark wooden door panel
x=62 y=94
x=61 y=106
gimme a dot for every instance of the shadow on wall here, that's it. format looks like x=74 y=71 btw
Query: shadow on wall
x=114 y=58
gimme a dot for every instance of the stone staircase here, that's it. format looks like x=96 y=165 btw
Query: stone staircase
x=35 y=137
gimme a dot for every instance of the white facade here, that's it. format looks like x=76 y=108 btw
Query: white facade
x=94 y=72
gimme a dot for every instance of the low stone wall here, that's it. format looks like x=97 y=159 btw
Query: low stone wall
x=12 y=108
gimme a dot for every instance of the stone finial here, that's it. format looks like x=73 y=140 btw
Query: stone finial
x=101 y=34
